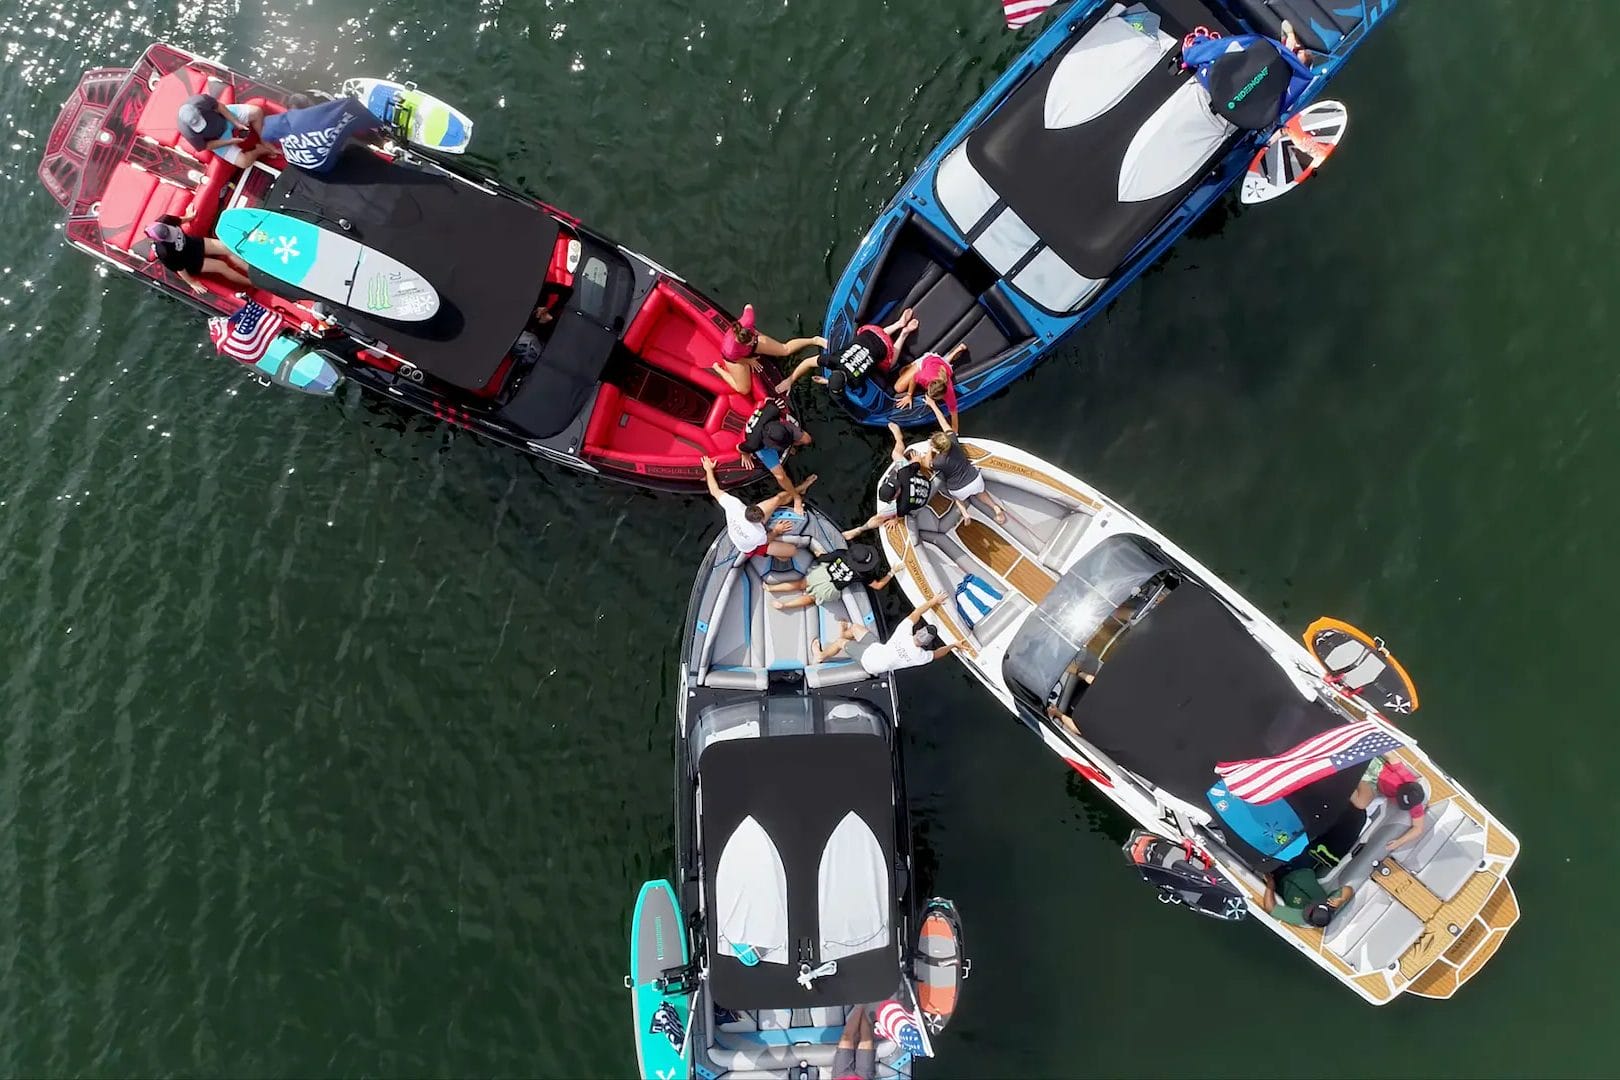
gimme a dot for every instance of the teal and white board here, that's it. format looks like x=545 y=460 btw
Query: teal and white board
x=420 y=118
x=658 y=944
x=290 y=363
x=326 y=264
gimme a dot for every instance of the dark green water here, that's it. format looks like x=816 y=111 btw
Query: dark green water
x=337 y=743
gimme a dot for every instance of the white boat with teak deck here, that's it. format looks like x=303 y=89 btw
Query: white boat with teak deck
x=1142 y=669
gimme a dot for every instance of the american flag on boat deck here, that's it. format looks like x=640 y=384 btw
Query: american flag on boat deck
x=899 y=1025
x=1022 y=12
x=247 y=335
x=1263 y=780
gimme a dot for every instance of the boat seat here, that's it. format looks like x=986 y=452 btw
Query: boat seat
x=1057 y=551
x=132 y=200
x=1448 y=852
x=1371 y=931
x=940 y=309
x=158 y=120
x=1320 y=24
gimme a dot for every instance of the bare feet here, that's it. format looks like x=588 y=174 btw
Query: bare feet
x=1001 y=516
x=804 y=486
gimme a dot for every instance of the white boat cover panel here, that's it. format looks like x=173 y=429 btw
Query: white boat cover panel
x=751 y=894
x=1004 y=244
x=1053 y=283
x=1176 y=143
x=852 y=891
x=965 y=195
x=1100 y=69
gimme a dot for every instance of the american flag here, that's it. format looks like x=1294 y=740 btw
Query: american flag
x=247 y=335
x=899 y=1025
x=1263 y=780
x=1022 y=12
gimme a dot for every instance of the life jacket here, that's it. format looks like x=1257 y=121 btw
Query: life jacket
x=911 y=489
x=975 y=597
x=871 y=348
x=842 y=574
x=753 y=439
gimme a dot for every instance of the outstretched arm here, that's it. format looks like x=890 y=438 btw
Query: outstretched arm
x=708 y=475
x=916 y=616
x=806 y=366
x=1408 y=836
x=944 y=424
x=899 y=451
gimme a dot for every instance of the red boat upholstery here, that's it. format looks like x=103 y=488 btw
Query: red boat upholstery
x=674 y=337
x=132 y=200
x=157 y=120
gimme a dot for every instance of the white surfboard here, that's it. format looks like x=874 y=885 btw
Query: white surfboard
x=1295 y=152
x=419 y=118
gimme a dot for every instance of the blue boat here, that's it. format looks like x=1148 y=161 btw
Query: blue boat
x=1084 y=162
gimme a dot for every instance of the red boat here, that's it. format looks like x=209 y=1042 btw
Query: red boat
x=616 y=383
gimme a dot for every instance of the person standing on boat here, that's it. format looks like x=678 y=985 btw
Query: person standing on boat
x=937 y=375
x=962 y=478
x=1304 y=901
x=746 y=525
x=874 y=348
x=189 y=256
x=913 y=644
x=223 y=130
x=904 y=488
x=742 y=347
x=770 y=435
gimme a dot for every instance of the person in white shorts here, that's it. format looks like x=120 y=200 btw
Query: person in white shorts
x=913 y=644
x=961 y=478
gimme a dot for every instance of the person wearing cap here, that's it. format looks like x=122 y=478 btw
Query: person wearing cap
x=742 y=346
x=874 y=348
x=904 y=487
x=1396 y=781
x=746 y=523
x=830 y=574
x=937 y=375
x=1303 y=901
x=189 y=256
x=224 y=130
x=913 y=644
x=770 y=435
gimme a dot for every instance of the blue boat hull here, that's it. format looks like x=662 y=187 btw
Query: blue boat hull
x=1039 y=330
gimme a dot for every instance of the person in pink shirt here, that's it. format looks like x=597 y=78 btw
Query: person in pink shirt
x=1397 y=782
x=937 y=375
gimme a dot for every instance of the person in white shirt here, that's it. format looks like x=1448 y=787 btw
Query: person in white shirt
x=913 y=644
x=746 y=524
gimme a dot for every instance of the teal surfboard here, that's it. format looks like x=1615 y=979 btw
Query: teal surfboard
x=327 y=264
x=658 y=944
x=290 y=363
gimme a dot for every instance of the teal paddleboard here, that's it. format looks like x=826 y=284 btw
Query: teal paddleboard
x=658 y=944
x=327 y=264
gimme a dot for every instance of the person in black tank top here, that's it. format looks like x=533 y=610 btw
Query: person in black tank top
x=960 y=478
x=874 y=348
x=920 y=482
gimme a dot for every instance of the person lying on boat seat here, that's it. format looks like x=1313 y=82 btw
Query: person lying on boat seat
x=830 y=573
x=1401 y=786
x=902 y=491
x=230 y=132
x=770 y=435
x=937 y=374
x=913 y=644
x=875 y=348
x=1303 y=901
x=746 y=524
x=856 y=1056
x=742 y=347
x=189 y=256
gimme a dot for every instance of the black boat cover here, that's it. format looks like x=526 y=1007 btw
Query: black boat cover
x=1064 y=183
x=1186 y=687
x=799 y=788
x=485 y=254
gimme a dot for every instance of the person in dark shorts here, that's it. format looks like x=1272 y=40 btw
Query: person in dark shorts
x=770 y=435
x=189 y=256
x=874 y=348
x=856 y=1056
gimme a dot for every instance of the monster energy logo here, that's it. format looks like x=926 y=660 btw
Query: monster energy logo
x=377 y=298
x=1243 y=93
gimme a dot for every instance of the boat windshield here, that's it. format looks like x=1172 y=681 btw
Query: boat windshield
x=785 y=714
x=1065 y=641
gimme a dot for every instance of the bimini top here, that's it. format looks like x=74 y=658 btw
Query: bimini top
x=799 y=850
x=485 y=254
x=1058 y=185
x=1186 y=687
